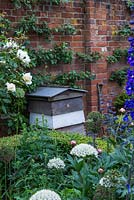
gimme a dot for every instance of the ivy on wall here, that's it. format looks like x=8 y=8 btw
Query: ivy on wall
x=124 y=31
x=29 y=24
x=58 y=54
x=30 y=3
x=129 y=3
x=119 y=76
x=91 y=57
x=71 y=78
x=117 y=55
x=5 y=24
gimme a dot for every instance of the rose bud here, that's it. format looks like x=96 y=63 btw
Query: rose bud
x=99 y=151
x=122 y=110
x=100 y=170
x=73 y=142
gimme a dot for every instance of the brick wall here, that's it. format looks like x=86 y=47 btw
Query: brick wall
x=103 y=18
x=95 y=20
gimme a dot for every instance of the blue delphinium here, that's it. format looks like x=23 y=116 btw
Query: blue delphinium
x=129 y=103
x=129 y=106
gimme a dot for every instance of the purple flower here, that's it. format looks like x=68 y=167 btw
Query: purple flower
x=132 y=43
x=132 y=114
x=125 y=118
x=129 y=104
x=130 y=39
x=131 y=22
x=130 y=50
x=132 y=8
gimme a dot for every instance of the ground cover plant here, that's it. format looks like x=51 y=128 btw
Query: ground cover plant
x=68 y=164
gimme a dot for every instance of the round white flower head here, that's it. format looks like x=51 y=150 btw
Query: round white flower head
x=2 y=61
x=105 y=181
x=83 y=150
x=56 y=163
x=45 y=195
x=10 y=44
x=23 y=56
x=11 y=87
x=27 y=78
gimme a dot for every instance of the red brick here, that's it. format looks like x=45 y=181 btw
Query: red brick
x=94 y=31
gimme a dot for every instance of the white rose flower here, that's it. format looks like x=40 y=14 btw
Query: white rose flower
x=11 y=87
x=10 y=44
x=23 y=56
x=45 y=195
x=56 y=163
x=83 y=150
x=27 y=78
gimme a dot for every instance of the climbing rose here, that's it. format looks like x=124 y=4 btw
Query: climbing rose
x=10 y=44
x=27 y=78
x=11 y=87
x=23 y=56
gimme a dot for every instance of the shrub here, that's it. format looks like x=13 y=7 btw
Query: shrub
x=94 y=122
x=61 y=139
x=26 y=157
x=29 y=171
x=119 y=101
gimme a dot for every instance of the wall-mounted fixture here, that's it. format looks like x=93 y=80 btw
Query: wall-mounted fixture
x=99 y=92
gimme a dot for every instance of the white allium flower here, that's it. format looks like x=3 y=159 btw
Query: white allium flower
x=27 y=78
x=105 y=181
x=11 y=87
x=56 y=163
x=83 y=150
x=10 y=44
x=45 y=195
x=23 y=56
x=2 y=61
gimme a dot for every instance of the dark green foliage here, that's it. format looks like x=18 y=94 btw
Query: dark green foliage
x=118 y=54
x=124 y=31
x=29 y=24
x=71 y=78
x=94 y=122
x=30 y=3
x=59 y=54
x=62 y=139
x=4 y=24
x=28 y=172
x=40 y=79
x=90 y=57
x=120 y=100
x=119 y=76
x=29 y=169
x=25 y=158
x=66 y=29
x=129 y=3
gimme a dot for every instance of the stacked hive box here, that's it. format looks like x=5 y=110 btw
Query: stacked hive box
x=61 y=107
